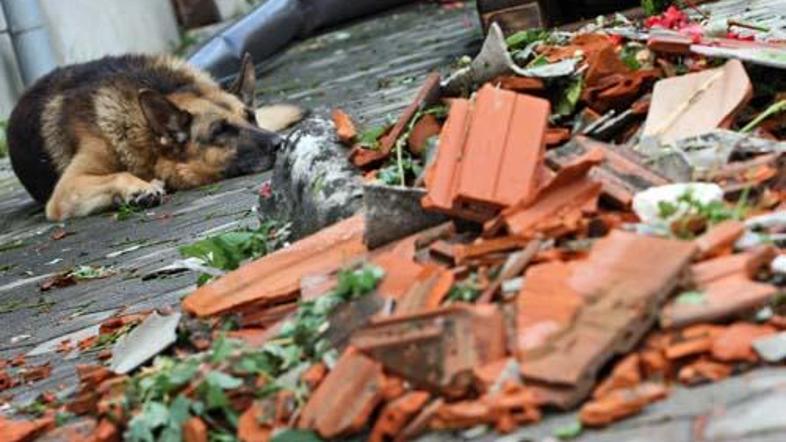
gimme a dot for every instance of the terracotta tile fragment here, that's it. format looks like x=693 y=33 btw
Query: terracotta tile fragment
x=504 y=147
x=521 y=85
x=80 y=430
x=723 y=298
x=194 y=430
x=670 y=44
x=428 y=93
x=393 y=388
x=436 y=349
x=621 y=291
x=626 y=374
x=441 y=177
x=464 y=252
x=704 y=370
x=275 y=278
x=620 y=404
x=655 y=365
x=559 y=205
x=420 y=422
x=690 y=347
x=107 y=432
x=400 y=272
x=514 y=405
x=735 y=343
x=344 y=401
x=513 y=267
x=719 y=238
x=24 y=430
x=250 y=426
x=748 y=263
x=428 y=126
x=345 y=128
x=427 y=291
x=397 y=414
x=314 y=375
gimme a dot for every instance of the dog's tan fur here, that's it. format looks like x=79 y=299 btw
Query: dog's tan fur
x=124 y=138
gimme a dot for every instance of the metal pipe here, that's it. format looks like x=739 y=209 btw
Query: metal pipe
x=274 y=24
x=30 y=38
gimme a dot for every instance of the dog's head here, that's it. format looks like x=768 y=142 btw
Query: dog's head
x=214 y=127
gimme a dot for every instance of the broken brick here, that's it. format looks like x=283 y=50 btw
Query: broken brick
x=719 y=238
x=194 y=430
x=735 y=344
x=397 y=414
x=345 y=128
x=703 y=370
x=314 y=375
x=427 y=126
x=689 y=347
x=106 y=432
x=437 y=349
x=519 y=84
x=427 y=291
x=622 y=291
x=251 y=426
x=747 y=263
x=626 y=374
x=344 y=401
x=620 y=404
x=429 y=93
x=275 y=278
x=24 y=430
x=38 y=373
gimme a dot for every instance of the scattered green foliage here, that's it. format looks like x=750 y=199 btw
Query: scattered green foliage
x=629 y=54
x=83 y=273
x=64 y=417
x=42 y=304
x=465 y=291
x=569 y=96
x=569 y=431
x=226 y=251
x=687 y=206
x=521 y=39
x=186 y=42
x=369 y=138
x=126 y=211
x=691 y=298
x=390 y=173
x=775 y=109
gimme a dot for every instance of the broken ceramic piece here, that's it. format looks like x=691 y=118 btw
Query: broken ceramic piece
x=148 y=339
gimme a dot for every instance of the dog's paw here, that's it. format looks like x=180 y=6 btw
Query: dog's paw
x=147 y=196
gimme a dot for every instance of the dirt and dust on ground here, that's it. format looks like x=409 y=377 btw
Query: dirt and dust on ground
x=575 y=234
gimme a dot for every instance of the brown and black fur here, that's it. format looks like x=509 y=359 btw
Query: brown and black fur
x=124 y=129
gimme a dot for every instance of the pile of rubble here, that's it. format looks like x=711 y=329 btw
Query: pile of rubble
x=611 y=209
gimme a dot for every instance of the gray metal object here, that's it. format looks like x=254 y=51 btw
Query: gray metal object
x=32 y=46
x=273 y=25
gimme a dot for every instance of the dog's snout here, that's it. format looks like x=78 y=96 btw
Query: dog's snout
x=264 y=139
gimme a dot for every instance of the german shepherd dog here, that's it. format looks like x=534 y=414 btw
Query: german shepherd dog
x=126 y=129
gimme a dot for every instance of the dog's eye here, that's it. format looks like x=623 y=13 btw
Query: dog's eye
x=221 y=128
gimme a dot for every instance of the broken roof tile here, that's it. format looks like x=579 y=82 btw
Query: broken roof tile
x=719 y=238
x=345 y=128
x=622 y=291
x=626 y=374
x=344 y=401
x=724 y=298
x=747 y=263
x=620 y=404
x=735 y=344
x=436 y=349
x=428 y=93
x=427 y=290
x=697 y=103
x=275 y=278
x=504 y=148
x=559 y=205
x=397 y=414
x=703 y=370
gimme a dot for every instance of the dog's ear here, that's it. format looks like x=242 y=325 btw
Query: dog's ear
x=167 y=120
x=246 y=83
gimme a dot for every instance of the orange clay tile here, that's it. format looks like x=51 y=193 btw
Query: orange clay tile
x=719 y=238
x=428 y=93
x=622 y=291
x=513 y=267
x=735 y=343
x=400 y=272
x=427 y=290
x=464 y=252
x=106 y=432
x=620 y=404
x=626 y=374
x=556 y=136
x=427 y=127
x=436 y=349
x=723 y=298
x=345 y=128
x=194 y=430
x=586 y=45
x=514 y=405
x=689 y=347
x=397 y=414
x=747 y=263
x=275 y=278
x=24 y=430
x=703 y=370
x=558 y=205
x=314 y=375
x=521 y=85
x=486 y=375
x=504 y=148
x=250 y=427
x=344 y=401
x=442 y=176
x=670 y=44
x=655 y=365
x=546 y=304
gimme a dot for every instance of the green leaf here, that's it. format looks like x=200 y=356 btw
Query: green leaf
x=524 y=38
x=222 y=380
x=569 y=98
x=691 y=298
x=569 y=431
x=296 y=436
x=369 y=139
